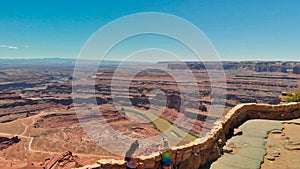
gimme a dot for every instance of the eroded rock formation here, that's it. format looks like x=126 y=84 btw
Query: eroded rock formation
x=65 y=160
x=6 y=142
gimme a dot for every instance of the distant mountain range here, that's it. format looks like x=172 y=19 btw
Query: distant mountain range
x=258 y=66
x=67 y=60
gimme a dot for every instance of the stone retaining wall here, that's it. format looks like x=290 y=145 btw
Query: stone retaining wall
x=205 y=150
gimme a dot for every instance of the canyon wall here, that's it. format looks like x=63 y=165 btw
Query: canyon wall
x=258 y=66
x=205 y=150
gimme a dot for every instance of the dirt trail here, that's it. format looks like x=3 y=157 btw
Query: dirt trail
x=29 y=148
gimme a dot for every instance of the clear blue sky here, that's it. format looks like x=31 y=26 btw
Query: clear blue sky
x=240 y=30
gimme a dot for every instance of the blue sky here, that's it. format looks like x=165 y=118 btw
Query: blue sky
x=239 y=30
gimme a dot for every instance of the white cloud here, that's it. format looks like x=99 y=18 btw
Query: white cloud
x=8 y=46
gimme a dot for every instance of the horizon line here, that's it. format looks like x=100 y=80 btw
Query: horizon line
x=63 y=58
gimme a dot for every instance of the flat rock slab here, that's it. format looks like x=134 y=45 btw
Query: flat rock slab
x=223 y=166
x=260 y=128
x=238 y=161
x=248 y=148
x=252 y=153
x=283 y=147
x=244 y=141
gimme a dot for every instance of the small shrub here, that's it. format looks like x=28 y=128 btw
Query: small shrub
x=294 y=97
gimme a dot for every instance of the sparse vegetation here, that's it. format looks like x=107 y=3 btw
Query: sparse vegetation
x=294 y=97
